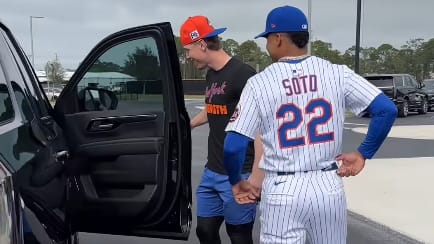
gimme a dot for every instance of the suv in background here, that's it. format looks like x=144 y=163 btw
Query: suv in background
x=404 y=90
x=428 y=88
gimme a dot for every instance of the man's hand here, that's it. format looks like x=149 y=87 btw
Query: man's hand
x=351 y=164
x=245 y=193
x=256 y=179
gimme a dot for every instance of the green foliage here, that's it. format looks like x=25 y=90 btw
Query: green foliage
x=250 y=53
x=324 y=50
x=142 y=64
x=416 y=57
x=231 y=47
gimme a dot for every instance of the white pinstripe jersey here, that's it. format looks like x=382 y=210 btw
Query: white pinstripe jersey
x=299 y=108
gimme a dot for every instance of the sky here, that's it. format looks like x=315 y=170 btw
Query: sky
x=70 y=29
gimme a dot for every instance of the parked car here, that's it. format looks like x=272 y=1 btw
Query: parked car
x=96 y=162
x=52 y=93
x=403 y=90
x=428 y=87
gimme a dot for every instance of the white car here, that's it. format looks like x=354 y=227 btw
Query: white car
x=52 y=93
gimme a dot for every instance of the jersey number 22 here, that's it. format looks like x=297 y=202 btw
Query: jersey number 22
x=313 y=137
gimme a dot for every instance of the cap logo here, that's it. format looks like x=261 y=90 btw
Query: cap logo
x=194 y=35
x=304 y=27
x=273 y=26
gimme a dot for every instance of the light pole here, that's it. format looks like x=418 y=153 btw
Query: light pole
x=31 y=37
x=357 y=51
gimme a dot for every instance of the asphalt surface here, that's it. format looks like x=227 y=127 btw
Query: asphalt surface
x=361 y=230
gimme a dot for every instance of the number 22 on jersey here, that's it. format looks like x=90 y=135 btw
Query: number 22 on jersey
x=298 y=115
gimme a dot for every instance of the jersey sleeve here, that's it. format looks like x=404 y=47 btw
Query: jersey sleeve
x=359 y=92
x=245 y=119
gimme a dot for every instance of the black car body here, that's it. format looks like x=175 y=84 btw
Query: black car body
x=428 y=88
x=403 y=90
x=102 y=160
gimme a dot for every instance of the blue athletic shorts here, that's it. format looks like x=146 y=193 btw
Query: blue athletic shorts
x=215 y=198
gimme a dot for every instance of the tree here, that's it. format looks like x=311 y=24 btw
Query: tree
x=324 y=50
x=348 y=58
x=54 y=71
x=416 y=57
x=386 y=54
x=230 y=46
x=427 y=57
x=250 y=53
x=143 y=65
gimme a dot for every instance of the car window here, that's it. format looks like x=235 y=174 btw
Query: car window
x=381 y=81
x=26 y=87
x=6 y=108
x=399 y=81
x=130 y=72
x=406 y=81
x=22 y=101
x=413 y=81
x=429 y=83
x=409 y=81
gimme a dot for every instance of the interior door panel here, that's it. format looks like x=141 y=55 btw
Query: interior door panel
x=122 y=165
x=127 y=137
x=128 y=133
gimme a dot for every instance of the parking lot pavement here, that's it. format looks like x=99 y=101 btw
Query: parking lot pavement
x=397 y=191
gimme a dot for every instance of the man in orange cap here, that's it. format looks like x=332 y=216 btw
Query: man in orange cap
x=226 y=77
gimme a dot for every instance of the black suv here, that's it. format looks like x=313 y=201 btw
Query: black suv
x=103 y=159
x=428 y=88
x=403 y=90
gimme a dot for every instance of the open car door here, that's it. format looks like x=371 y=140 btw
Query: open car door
x=127 y=128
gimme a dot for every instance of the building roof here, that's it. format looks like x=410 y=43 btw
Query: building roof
x=42 y=76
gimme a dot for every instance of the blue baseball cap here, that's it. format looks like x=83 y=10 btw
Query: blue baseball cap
x=285 y=19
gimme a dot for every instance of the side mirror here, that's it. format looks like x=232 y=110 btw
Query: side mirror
x=97 y=99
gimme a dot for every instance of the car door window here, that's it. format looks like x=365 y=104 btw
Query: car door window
x=6 y=108
x=125 y=77
x=26 y=80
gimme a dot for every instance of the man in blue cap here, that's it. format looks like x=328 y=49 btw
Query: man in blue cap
x=298 y=103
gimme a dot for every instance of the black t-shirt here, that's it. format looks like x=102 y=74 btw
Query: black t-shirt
x=222 y=94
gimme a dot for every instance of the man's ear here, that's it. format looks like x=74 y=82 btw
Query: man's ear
x=203 y=45
x=278 y=40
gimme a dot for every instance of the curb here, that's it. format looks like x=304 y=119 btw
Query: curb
x=395 y=236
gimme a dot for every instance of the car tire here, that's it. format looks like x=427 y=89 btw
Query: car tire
x=424 y=107
x=403 y=109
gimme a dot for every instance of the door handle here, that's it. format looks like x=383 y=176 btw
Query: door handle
x=105 y=126
x=100 y=125
x=112 y=122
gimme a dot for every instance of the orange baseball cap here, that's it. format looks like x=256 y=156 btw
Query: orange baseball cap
x=196 y=28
